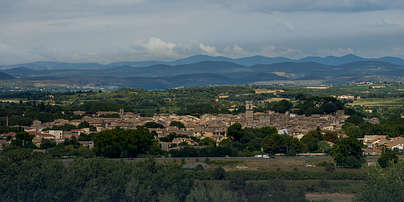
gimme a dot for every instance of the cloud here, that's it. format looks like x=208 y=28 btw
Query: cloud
x=210 y=50
x=154 y=48
x=275 y=51
x=236 y=51
x=312 y=5
x=115 y=2
x=114 y=30
x=3 y=46
x=336 y=52
x=158 y=46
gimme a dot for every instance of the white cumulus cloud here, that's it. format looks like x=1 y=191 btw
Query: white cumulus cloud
x=210 y=50
x=158 y=48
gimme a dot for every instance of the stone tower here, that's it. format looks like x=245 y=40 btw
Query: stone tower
x=249 y=113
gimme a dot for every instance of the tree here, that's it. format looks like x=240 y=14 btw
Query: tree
x=383 y=184
x=46 y=144
x=177 y=124
x=331 y=136
x=282 y=106
x=235 y=131
x=276 y=143
x=352 y=131
x=83 y=124
x=207 y=141
x=311 y=140
x=328 y=108
x=23 y=139
x=355 y=119
x=219 y=173
x=347 y=153
x=215 y=192
x=153 y=125
x=387 y=159
x=124 y=143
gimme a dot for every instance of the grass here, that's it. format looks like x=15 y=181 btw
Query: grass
x=335 y=197
x=223 y=163
x=379 y=102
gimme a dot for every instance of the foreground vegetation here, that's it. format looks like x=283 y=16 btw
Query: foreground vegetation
x=28 y=176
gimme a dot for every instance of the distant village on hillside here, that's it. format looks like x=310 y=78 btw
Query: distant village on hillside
x=206 y=126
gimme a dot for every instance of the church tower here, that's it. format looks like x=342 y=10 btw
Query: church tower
x=249 y=113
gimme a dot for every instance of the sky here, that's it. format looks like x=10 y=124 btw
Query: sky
x=107 y=31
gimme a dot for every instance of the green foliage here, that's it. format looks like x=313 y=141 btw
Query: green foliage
x=207 y=141
x=83 y=124
x=328 y=166
x=387 y=159
x=281 y=106
x=219 y=173
x=124 y=143
x=276 y=143
x=46 y=144
x=311 y=140
x=347 y=153
x=85 y=137
x=24 y=140
x=28 y=176
x=392 y=127
x=235 y=131
x=355 y=119
x=383 y=184
x=319 y=105
x=177 y=124
x=153 y=125
x=331 y=136
x=352 y=131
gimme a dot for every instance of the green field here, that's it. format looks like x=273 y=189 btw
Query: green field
x=379 y=102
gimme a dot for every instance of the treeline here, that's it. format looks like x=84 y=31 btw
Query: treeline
x=306 y=105
x=120 y=143
x=24 y=113
x=28 y=176
x=252 y=141
x=357 y=127
x=69 y=148
x=189 y=101
x=346 y=152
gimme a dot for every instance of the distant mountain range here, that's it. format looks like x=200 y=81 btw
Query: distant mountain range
x=162 y=76
x=5 y=76
x=246 y=61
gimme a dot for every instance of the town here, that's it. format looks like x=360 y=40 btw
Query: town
x=186 y=128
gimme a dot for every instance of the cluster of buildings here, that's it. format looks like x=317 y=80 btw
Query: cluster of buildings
x=374 y=144
x=207 y=126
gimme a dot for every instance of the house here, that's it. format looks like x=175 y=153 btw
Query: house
x=76 y=132
x=372 y=141
x=166 y=146
x=346 y=97
x=9 y=136
x=396 y=143
x=371 y=152
x=283 y=132
x=58 y=134
x=47 y=136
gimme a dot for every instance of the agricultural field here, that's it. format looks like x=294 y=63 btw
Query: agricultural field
x=379 y=102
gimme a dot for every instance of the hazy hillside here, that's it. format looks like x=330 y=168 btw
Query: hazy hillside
x=246 y=61
x=5 y=76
